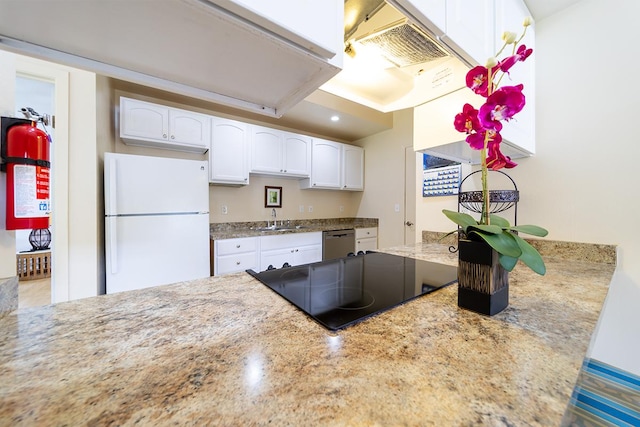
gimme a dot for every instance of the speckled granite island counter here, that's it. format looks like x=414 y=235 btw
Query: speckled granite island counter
x=229 y=351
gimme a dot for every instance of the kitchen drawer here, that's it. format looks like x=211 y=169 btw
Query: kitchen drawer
x=236 y=263
x=290 y=240
x=362 y=233
x=236 y=246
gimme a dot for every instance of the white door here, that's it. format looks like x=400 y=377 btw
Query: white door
x=410 y=188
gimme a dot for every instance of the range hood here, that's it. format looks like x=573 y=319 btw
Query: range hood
x=221 y=51
x=391 y=62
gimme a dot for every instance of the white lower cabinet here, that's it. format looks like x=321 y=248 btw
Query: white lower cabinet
x=235 y=255
x=366 y=239
x=293 y=249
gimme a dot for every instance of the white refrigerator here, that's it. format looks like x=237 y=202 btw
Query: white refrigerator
x=156 y=221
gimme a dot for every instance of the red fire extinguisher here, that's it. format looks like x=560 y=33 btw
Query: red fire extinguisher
x=25 y=155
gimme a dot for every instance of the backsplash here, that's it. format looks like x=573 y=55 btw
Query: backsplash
x=587 y=252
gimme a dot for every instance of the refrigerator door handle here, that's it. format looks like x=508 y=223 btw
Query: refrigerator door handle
x=113 y=246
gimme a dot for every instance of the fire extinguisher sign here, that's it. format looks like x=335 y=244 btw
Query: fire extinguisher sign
x=31 y=191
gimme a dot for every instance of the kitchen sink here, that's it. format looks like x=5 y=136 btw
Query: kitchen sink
x=281 y=228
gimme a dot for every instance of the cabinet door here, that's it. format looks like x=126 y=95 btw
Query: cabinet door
x=470 y=26
x=143 y=120
x=190 y=128
x=325 y=164
x=228 y=155
x=366 y=244
x=276 y=258
x=307 y=254
x=352 y=167
x=266 y=150
x=297 y=155
x=521 y=130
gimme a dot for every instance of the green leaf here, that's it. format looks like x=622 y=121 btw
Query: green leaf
x=462 y=219
x=534 y=230
x=508 y=262
x=491 y=229
x=499 y=221
x=530 y=256
x=503 y=243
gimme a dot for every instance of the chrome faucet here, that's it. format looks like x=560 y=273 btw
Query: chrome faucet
x=273 y=215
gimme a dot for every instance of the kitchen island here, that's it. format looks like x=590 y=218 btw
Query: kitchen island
x=229 y=351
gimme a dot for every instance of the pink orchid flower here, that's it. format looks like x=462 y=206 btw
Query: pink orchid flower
x=478 y=79
x=503 y=104
x=467 y=121
x=476 y=140
x=496 y=160
x=521 y=54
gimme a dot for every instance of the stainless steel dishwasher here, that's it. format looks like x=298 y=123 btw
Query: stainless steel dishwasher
x=338 y=243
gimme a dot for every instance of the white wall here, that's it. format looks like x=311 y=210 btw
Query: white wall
x=384 y=178
x=581 y=183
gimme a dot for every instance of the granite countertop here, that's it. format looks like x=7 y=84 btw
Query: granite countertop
x=230 y=230
x=228 y=351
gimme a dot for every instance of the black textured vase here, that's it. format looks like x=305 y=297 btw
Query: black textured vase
x=483 y=284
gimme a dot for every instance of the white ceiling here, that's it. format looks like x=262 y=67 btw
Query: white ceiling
x=357 y=121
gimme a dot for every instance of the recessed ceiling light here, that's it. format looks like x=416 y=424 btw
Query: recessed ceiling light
x=335 y=118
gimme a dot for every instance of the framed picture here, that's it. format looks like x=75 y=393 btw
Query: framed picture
x=272 y=197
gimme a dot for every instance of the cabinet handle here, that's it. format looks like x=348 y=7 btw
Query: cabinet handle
x=164 y=135
x=291 y=250
x=173 y=137
x=296 y=250
x=237 y=262
x=285 y=171
x=238 y=246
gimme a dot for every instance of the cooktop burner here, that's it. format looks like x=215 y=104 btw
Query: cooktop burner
x=340 y=292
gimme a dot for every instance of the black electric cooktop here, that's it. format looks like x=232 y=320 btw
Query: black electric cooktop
x=340 y=292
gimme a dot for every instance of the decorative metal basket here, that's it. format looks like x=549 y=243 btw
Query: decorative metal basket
x=499 y=200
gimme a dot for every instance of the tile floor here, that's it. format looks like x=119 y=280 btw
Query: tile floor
x=34 y=293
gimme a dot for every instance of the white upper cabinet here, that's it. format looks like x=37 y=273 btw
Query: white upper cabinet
x=297 y=154
x=521 y=130
x=276 y=152
x=470 y=27
x=433 y=121
x=153 y=125
x=325 y=165
x=352 y=168
x=229 y=153
x=266 y=150
x=465 y=27
x=335 y=166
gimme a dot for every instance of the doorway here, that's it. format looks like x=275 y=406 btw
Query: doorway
x=34 y=289
x=46 y=85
